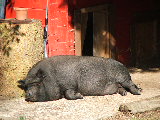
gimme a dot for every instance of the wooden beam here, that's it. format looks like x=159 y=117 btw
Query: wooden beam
x=78 y=36
x=141 y=106
x=95 y=8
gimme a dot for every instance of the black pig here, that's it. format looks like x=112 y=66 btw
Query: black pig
x=74 y=76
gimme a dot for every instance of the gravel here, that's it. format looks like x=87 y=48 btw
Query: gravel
x=89 y=108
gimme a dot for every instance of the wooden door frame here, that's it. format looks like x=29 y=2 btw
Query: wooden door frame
x=78 y=19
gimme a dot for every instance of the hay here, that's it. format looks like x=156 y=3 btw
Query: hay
x=21 y=46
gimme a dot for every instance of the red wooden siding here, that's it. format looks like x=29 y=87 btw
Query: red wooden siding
x=61 y=37
x=37 y=4
x=125 y=11
x=36 y=9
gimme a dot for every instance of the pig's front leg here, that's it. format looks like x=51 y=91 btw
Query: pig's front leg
x=121 y=90
x=71 y=94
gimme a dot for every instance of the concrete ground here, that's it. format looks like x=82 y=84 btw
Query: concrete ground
x=89 y=108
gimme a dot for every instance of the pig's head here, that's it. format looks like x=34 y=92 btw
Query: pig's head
x=34 y=87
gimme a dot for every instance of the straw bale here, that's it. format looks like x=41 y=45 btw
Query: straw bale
x=20 y=49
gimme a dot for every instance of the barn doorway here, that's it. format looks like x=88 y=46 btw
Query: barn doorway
x=146 y=40
x=87 y=48
x=94 y=35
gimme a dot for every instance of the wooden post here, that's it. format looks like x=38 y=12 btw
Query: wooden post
x=141 y=106
x=78 y=35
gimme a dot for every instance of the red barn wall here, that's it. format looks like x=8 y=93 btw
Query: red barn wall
x=61 y=35
x=125 y=11
x=61 y=29
x=36 y=9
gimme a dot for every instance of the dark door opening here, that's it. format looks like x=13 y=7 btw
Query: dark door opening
x=87 y=49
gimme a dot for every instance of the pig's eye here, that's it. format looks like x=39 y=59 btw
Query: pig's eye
x=30 y=86
x=33 y=84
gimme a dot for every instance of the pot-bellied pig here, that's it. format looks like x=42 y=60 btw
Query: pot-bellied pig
x=73 y=77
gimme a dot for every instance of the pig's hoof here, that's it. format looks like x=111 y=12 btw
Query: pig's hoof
x=72 y=95
x=139 y=91
x=135 y=90
x=79 y=96
x=122 y=91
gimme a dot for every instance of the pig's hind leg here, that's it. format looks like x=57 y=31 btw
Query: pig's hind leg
x=115 y=88
x=110 y=89
x=71 y=94
x=121 y=90
x=131 y=87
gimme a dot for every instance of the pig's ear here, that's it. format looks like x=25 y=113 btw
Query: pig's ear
x=40 y=74
x=21 y=81
x=21 y=84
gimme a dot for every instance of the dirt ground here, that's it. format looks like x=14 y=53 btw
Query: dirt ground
x=89 y=108
x=148 y=115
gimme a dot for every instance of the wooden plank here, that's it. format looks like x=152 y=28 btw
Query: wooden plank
x=95 y=8
x=104 y=41
x=77 y=27
x=146 y=49
x=101 y=44
x=141 y=106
